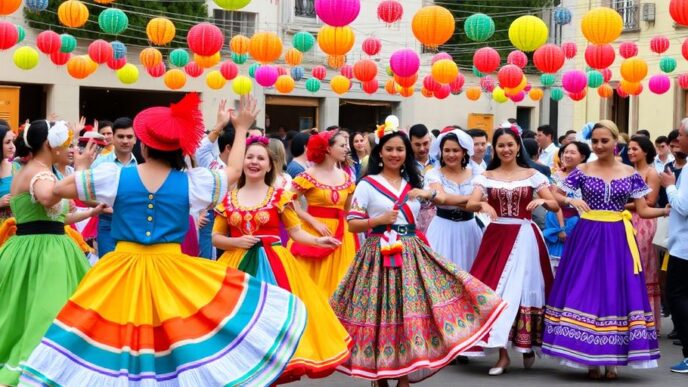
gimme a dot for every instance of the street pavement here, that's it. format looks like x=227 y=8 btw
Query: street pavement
x=546 y=372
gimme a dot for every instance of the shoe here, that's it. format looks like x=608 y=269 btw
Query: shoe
x=610 y=373
x=528 y=360
x=673 y=335
x=681 y=368
x=494 y=371
x=594 y=373
x=461 y=360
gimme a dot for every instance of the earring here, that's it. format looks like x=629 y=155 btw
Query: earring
x=518 y=154
x=402 y=169
x=380 y=164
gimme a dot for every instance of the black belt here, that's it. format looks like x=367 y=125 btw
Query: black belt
x=401 y=229
x=39 y=227
x=455 y=215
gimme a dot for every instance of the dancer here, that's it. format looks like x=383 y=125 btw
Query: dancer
x=454 y=232
x=6 y=156
x=408 y=310
x=146 y=313
x=513 y=258
x=39 y=267
x=598 y=313
x=251 y=215
x=328 y=190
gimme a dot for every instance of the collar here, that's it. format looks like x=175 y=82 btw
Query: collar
x=550 y=148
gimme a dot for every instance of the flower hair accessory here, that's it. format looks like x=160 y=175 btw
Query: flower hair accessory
x=59 y=135
x=316 y=149
x=257 y=139
x=391 y=125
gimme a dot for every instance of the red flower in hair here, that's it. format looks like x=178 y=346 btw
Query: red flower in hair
x=316 y=150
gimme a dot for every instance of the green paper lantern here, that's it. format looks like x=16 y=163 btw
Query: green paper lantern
x=477 y=73
x=667 y=64
x=68 y=43
x=239 y=58
x=113 y=21
x=595 y=79
x=479 y=27
x=303 y=41
x=557 y=94
x=21 y=34
x=232 y=5
x=25 y=58
x=179 y=57
x=547 y=80
x=252 y=70
x=313 y=85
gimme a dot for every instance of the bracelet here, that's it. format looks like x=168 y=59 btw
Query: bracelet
x=434 y=194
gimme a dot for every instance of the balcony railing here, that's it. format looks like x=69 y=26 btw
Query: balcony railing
x=630 y=14
x=304 y=8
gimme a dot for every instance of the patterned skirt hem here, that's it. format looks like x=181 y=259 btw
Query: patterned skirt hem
x=579 y=360
x=299 y=367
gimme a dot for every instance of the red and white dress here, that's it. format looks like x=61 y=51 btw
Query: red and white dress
x=513 y=260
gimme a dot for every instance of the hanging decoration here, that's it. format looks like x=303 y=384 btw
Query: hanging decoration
x=205 y=39
x=602 y=25
x=340 y=84
x=549 y=58
x=265 y=47
x=229 y=70
x=600 y=56
x=371 y=46
x=433 y=26
x=390 y=11
x=150 y=57
x=528 y=33
x=48 y=42
x=113 y=21
x=444 y=71
x=337 y=13
x=242 y=85
x=285 y=84
x=128 y=74
x=518 y=58
x=8 y=7
x=634 y=69
x=365 y=70
x=336 y=41
x=232 y=5
x=119 y=50
x=659 y=84
x=73 y=14
x=659 y=45
x=215 y=80
x=303 y=41
x=667 y=64
x=174 y=79
x=404 y=62
x=100 y=51
x=313 y=85
x=628 y=50
x=297 y=73
x=25 y=58
x=486 y=60
x=160 y=31
x=179 y=57
x=479 y=27
x=678 y=9
x=562 y=15
x=9 y=35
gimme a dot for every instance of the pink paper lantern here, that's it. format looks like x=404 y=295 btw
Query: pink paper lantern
x=281 y=71
x=487 y=83
x=158 y=70
x=518 y=58
x=390 y=11
x=205 y=39
x=527 y=88
x=116 y=64
x=659 y=84
x=229 y=70
x=440 y=56
x=8 y=35
x=347 y=70
x=48 y=42
x=266 y=75
x=486 y=60
x=319 y=72
x=457 y=84
x=442 y=92
x=430 y=83
x=193 y=69
x=404 y=62
x=100 y=51
x=659 y=44
x=518 y=97
x=574 y=81
x=337 y=13
x=628 y=50
x=371 y=46
x=570 y=49
x=60 y=58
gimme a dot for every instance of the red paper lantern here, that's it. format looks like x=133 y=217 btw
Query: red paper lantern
x=443 y=92
x=372 y=46
x=628 y=49
x=281 y=71
x=229 y=70
x=486 y=60
x=678 y=9
x=487 y=83
x=456 y=85
x=347 y=71
x=205 y=39
x=193 y=69
x=579 y=95
x=606 y=75
x=158 y=70
x=683 y=81
x=518 y=58
x=390 y=11
x=621 y=93
x=8 y=35
x=549 y=58
x=370 y=87
x=48 y=42
x=406 y=82
x=60 y=58
x=570 y=49
x=659 y=44
x=365 y=70
x=599 y=56
x=319 y=72
x=510 y=76
x=684 y=49
x=429 y=83
x=100 y=51
x=116 y=64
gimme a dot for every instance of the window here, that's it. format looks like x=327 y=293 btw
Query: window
x=235 y=22
x=304 y=8
x=630 y=12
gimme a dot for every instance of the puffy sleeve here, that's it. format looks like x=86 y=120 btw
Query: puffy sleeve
x=98 y=184
x=539 y=181
x=480 y=182
x=359 y=204
x=301 y=184
x=206 y=189
x=431 y=177
x=352 y=187
x=220 y=225
x=573 y=182
x=638 y=187
x=285 y=206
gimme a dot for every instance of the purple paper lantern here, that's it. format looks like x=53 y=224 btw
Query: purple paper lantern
x=404 y=62
x=266 y=75
x=337 y=13
x=574 y=81
x=659 y=84
x=440 y=56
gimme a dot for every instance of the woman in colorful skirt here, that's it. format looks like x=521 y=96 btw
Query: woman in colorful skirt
x=40 y=266
x=598 y=312
x=146 y=313
x=560 y=224
x=408 y=310
x=247 y=229
x=454 y=232
x=641 y=152
x=513 y=258
x=328 y=190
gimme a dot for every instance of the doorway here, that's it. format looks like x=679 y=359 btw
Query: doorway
x=109 y=104
x=620 y=112
x=523 y=115
x=362 y=116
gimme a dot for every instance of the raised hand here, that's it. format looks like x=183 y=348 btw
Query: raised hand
x=247 y=113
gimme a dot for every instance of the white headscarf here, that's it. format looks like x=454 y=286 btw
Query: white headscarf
x=465 y=140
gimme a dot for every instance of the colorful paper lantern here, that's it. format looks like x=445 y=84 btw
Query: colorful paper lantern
x=659 y=44
x=281 y=70
x=562 y=15
x=303 y=41
x=232 y=5
x=60 y=58
x=440 y=56
x=340 y=84
x=391 y=87
x=215 y=80
x=433 y=25
x=406 y=81
x=116 y=64
x=21 y=33
x=293 y=57
x=242 y=85
x=119 y=50
x=113 y=21
x=631 y=88
x=157 y=71
x=678 y=9
x=528 y=33
x=160 y=31
x=518 y=97
x=628 y=49
x=498 y=95
x=443 y=92
x=518 y=58
x=100 y=51
x=510 y=76
x=78 y=67
x=606 y=74
x=404 y=62
x=621 y=93
x=266 y=75
x=605 y=91
x=683 y=81
x=8 y=7
x=150 y=57
x=556 y=94
x=570 y=49
x=390 y=11
x=128 y=74
x=456 y=85
x=602 y=25
x=365 y=70
x=430 y=84
x=406 y=92
x=193 y=70
x=684 y=49
x=547 y=80
x=595 y=78
x=659 y=84
x=426 y=93
x=313 y=85
x=239 y=58
x=179 y=57
x=579 y=95
x=67 y=43
x=297 y=73
x=473 y=93
x=229 y=70
x=445 y=71
x=174 y=79
x=667 y=64
x=536 y=94
x=633 y=69
x=549 y=58
x=73 y=14
x=285 y=84
x=265 y=47
x=371 y=46
x=25 y=58
x=486 y=60
x=574 y=81
x=488 y=83
x=9 y=35
x=600 y=56
x=479 y=27
x=205 y=39
x=207 y=62
x=319 y=72
x=336 y=41
x=336 y=61
x=239 y=44
x=48 y=42
x=337 y=13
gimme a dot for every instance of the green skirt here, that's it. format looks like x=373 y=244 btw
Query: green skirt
x=38 y=273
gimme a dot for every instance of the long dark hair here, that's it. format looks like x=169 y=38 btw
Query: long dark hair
x=37 y=135
x=3 y=132
x=174 y=159
x=270 y=176
x=354 y=153
x=453 y=137
x=521 y=158
x=646 y=145
x=410 y=170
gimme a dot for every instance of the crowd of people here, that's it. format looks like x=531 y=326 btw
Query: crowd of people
x=152 y=250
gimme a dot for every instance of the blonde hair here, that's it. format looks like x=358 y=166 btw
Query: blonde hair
x=278 y=154
x=609 y=125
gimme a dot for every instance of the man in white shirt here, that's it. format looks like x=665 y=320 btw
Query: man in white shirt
x=677 y=272
x=664 y=155
x=420 y=142
x=548 y=150
x=479 y=148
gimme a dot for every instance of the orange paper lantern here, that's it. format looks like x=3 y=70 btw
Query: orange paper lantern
x=365 y=70
x=285 y=84
x=391 y=87
x=336 y=61
x=426 y=93
x=340 y=84
x=406 y=91
x=336 y=41
x=632 y=88
x=265 y=47
x=536 y=94
x=79 y=67
x=473 y=93
x=605 y=91
x=444 y=71
x=150 y=57
x=160 y=31
x=293 y=57
x=8 y=7
x=175 y=79
x=406 y=81
x=433 y=25
x=72 y=13
x=633 y=69
x=207 y=62
x=239 y=44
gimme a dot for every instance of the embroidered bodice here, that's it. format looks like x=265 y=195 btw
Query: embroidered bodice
x=323 y=195
x=262 y=219
x=602 y=195
x=510 y=198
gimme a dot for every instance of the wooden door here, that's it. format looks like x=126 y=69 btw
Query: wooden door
x=9 y=105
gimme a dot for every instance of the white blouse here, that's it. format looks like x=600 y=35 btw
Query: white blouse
x=369 y=202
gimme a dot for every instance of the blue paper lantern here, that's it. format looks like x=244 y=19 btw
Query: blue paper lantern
x=562 y=15
x=297 y=73
x=119 y=50
x=36 y=5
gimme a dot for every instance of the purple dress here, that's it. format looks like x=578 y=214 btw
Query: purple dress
x=598 y=313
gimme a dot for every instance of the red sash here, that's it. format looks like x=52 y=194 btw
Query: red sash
x=315 y=252
x=399 y=201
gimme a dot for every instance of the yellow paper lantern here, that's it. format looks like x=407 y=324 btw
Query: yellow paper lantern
x=536 y=94
x=340 y=84
x=72 y=13
x=239 y=44
x=242 y=85
x=602 y=25
x=445 y=71
x=336 y=41
x=215 y=80
x=406 y=91
x=207 y=62
x=150 y=57
x=473 y=93
x=265 y=47
x=634 y=69
x=498 y=95
x=160 y=31
x=632 y=88
x=293 y=57
x=128 y=74
x=25 y=58
x=78 y=67
x=426 y=93
x=528 y=33
x=175 y=79
x=285 y=84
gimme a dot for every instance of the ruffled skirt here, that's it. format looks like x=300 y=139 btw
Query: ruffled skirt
x=456 y=241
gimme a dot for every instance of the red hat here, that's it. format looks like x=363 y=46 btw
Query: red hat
x=179 y=126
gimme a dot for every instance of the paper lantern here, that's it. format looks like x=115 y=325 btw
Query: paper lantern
x=547 y=80
x=207 y=62
x=518 y=58
x=659 y=84
x=600 y=56
x=579 y=95
x=232 y=5
x=443 y=92
x=161 y=31
x=193 y=70
x=528 y=33
x=104 y=2
x=518 y=97
x=404 y=62
x=60 y=58
x=621 y=93
x=113 y=21
x=406 y=81
x=486 y=60
x=21 y=33
x=536 y=94
x=8 y=7
x=91 y=65
x=319 y=72
x=391 y=87
x=174 y=79
x=556 y=94
x=179 y=57
x=498 y=95
x=119 y=50
x=667 y=64
x=370 y=87
x=426 y=93
x=32 y=5
x=313 y=85
x=239 y=44
x=562 y=15
x=659 y=44
x=390 y=11
x=606 y=74
x=549 y=58
x=116 y=64
x=336 y=41
x=8 y=35
x=239 y=58
x=67 y=43
x=473 y=93
x=406 y=92
x=128 y=74
x=574 y=81
x=479 y=27
x=633 y=69
x=157 y=71
x=605 y=91
x=293 y=57
x=265 y=47
x=683 y=81
x=595 y=78
x=601 y=25
x=439 y=56
x=297 y=73
x=215 y=80
x=365 y=70
x=430 y=84
x=303 y=41
x=628 y=50
x=281 y=70
x=242 y=85
x=336 y=61
x=445 y=71
x=205 y=39
x=340 y=84
x=371 y=46
x=150 y=57
x=456 y=85
x=266 y=75
x=72 y=13
x=684 y=49
x=25 y=58
x=510 y=75
x=631 y=88
x=285 y=84
x=337 y=13
x=487 y=83
x=570 y=49
x=100 y=51
x=48 y=42
x=433 y=25
x=229 y=70
x=78 y=67
x=678 y=9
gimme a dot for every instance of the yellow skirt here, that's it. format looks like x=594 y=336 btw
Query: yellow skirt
x=325 y=343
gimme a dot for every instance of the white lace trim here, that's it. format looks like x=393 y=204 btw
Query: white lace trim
x=58 y=209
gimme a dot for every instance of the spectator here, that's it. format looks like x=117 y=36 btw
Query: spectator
x=548 y=149
x=643 y=132
x=479 y=149
x=664 y=155
x=299 y=162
